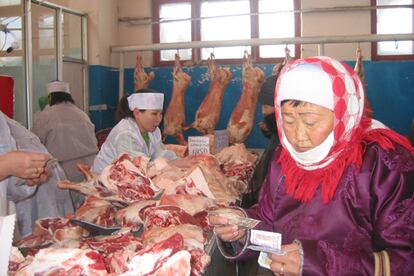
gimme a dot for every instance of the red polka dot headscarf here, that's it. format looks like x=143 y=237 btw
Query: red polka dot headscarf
x=328 y=83
x=333 y=85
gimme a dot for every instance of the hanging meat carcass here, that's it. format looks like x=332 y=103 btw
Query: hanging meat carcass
x=242 y=118
x=174 y=118
x=208 y=114
x=359 y=67
x=141 y=79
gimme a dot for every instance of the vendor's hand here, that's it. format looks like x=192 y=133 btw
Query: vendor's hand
x=286 y=265
x=38 y=180
x=27 y=165
x=225 y=231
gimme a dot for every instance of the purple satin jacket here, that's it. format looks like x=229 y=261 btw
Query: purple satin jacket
x=372 y=210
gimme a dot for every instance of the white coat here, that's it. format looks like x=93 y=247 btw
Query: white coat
x=32 y=203
x=69 y=135
x=126 y=137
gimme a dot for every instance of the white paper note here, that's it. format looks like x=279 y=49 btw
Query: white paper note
x=6 y=234
x=198 y=145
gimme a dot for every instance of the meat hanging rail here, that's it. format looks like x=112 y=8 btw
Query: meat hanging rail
x=320 y=40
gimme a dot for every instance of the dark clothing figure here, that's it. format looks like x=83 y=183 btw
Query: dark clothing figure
x=269 y=130
x=411 y=133
x=260 y=173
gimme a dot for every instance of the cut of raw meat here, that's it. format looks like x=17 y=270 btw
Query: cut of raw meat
x=132 y=216
x=164 y=216
x=122 y=181
x=117 y=242
x=65 y=261
x=97 y=211
x=192 y=204
x=49 y=230
x=164 y=258
x=192 y=234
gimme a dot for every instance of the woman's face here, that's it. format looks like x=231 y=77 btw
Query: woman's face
x=148 y=120
x=307 y=125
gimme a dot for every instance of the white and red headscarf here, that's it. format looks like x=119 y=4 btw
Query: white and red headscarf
x=335 y=86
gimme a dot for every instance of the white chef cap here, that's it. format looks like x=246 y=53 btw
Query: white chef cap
x=308 y=83
x=58 y=86
x=146 y=101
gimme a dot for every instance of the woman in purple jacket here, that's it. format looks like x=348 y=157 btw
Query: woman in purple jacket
x=340 y=186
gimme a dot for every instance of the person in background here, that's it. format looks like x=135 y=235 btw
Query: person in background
x=340 y=186
x=137 y=133
x=43 y=102
x=67 y=132
x=27 y=185
x=269 y=130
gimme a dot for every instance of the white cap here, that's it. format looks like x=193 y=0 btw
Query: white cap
x=308 y=83
x=146 y=101
x=58 y=86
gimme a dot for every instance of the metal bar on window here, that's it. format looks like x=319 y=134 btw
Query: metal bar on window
x=28 y=60
x=264 y=41
x=56 y=6
x=59 y=43
x=144 y=20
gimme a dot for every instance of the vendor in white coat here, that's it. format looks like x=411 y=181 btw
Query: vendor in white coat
x=137 y=133
x=67 y=133
x=31 y=202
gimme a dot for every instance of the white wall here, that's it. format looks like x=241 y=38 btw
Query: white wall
x=135 y=34
x=336 y=23
x=102 y=28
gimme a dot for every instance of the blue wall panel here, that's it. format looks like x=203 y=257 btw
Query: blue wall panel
x=389 y=87
x=103 y=89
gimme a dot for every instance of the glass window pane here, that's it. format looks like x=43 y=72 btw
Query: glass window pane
x=178 y=31
x=235 y=52
x=4 y=3
x=12 y=35
x=395 y=21
x=12 y=63
x=43 y=50
x=72 y=35
x=225 y=28
x=275 y=25
x=44 y=31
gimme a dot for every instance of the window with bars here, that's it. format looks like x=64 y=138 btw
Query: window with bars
x=392 y=20
x=218 y=20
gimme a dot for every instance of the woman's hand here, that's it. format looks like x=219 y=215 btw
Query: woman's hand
x=289 y=264
x=24 y=164
x=225 y=231
x=38 y=180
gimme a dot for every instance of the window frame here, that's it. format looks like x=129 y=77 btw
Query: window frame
x=196 y=32
x=374 y=45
